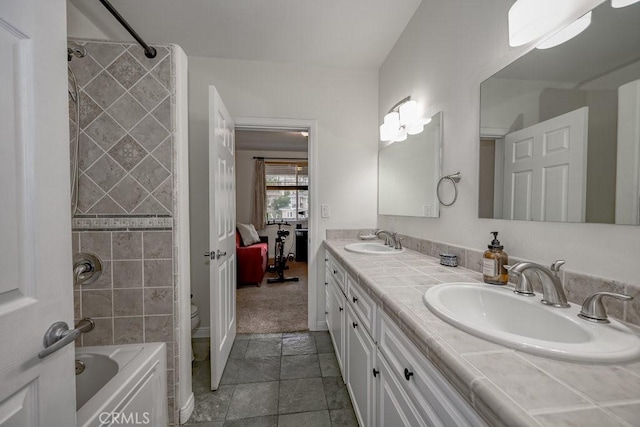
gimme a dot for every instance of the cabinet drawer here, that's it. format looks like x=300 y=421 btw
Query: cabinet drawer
x=362 y=304
x=337 y=272
x=431 y=393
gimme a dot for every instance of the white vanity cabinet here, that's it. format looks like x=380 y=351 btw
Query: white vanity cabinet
x=360 y=357
x=394 y=408
x=391 y=383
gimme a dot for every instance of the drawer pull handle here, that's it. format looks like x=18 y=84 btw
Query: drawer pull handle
x=355 y=325
x=355 y=299
x=335 y=271
x=407 y=374
x=375 y=372
x=341 y=308
x=326 y=283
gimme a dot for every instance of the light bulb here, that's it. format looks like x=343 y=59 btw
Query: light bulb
x=386 y=133
x=567 y=33
x=408 y=112
x=622 y=3
x=531 y=19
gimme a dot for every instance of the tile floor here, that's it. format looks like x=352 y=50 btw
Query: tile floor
x=270 y=380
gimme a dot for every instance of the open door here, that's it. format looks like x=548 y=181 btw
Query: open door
x=35 y=218
x=222 y=231
x=545 y=170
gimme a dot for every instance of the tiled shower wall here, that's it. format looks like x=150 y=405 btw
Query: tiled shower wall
x=126 y=201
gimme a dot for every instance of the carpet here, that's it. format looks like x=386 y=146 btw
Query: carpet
x=274 y=307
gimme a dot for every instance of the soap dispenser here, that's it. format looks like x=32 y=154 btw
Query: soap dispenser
x=493 y=262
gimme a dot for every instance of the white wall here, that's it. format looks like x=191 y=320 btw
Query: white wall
x=79 y=26
x=446 y=51
x=343 y=101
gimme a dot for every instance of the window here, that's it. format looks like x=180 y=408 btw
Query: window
x=287 y=190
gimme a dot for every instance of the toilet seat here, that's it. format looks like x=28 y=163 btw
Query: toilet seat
x=194 y=311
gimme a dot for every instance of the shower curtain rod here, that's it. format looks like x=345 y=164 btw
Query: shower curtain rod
x=149 y=52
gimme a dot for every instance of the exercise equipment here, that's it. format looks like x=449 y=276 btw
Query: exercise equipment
x=280 y=261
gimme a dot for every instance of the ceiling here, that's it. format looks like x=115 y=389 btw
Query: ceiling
x=343 y=33
x=269 y=140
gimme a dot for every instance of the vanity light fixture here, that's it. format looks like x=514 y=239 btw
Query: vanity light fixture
x=402 y=119
x=532 y=19
x=622 y=3
x=567 y=33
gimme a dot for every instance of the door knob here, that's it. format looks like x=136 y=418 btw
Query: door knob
x=220 y=254
x=210 y=255
x=59 y=335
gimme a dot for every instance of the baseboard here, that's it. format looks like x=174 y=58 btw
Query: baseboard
x=187 y=409
x=322 y=326
x=203 y=332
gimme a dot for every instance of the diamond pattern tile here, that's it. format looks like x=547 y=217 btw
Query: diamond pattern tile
x=149 y=132
x=163 y=153
x=149 y=92
x=104 y=89
x=89 y=152
x=162 y=72
x=150 y=173
x=164 y=194
x=85 y=69
x=89 y=110
x=149 y=63
x=126 y=70
x=150 y=206
x=88 y=193
x=127 y=111
x=104 y=53
x=127 y=152
x=106 y=205
x=125 y=106
x=106 y=172
x=105 y=131
x=128 y=193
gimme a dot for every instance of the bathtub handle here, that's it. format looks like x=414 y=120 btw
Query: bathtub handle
x=59 y=335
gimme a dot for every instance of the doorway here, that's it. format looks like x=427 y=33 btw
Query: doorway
x=278 y=304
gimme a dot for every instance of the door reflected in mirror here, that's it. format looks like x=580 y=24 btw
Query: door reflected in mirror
x=408 y=172
x=560 y=128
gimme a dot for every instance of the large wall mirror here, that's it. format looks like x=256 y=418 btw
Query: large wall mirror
x=408 y=172
x=560 y=128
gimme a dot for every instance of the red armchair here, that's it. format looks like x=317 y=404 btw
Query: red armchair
x=252 y=260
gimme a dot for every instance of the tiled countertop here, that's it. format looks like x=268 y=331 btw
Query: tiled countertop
x=507 y=387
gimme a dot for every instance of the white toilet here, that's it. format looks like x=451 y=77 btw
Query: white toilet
x=195 y=322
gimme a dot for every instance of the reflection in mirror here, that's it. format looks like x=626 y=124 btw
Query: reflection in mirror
x=408 y=172
x=560 y=128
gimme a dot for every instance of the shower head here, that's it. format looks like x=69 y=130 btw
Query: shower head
x=75 y=50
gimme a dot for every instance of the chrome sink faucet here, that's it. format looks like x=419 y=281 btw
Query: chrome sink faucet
x=552 y=290
x=389 y=237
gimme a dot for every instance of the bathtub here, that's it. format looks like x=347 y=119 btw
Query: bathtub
x=122 y=385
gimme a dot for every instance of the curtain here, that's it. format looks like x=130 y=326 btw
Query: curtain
x=258 y=207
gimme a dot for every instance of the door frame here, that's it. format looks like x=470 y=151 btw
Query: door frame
x=314 y=240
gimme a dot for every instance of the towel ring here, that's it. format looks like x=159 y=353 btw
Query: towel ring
x=454 y=178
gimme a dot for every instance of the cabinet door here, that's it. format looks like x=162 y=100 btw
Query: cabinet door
x=336 y=323
x=393 y=407
x=360 y=359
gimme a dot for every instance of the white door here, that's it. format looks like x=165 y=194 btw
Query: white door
x=222 y=241
x=36 y=287
x=545 y=170
x=628 y=165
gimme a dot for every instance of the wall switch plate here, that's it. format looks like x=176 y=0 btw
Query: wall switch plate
x=324 y=211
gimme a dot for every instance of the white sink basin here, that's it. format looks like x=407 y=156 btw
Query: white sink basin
x=372 y=248
x=523 y=323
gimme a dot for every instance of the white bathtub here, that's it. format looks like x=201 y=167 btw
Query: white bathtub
x=122 y=385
